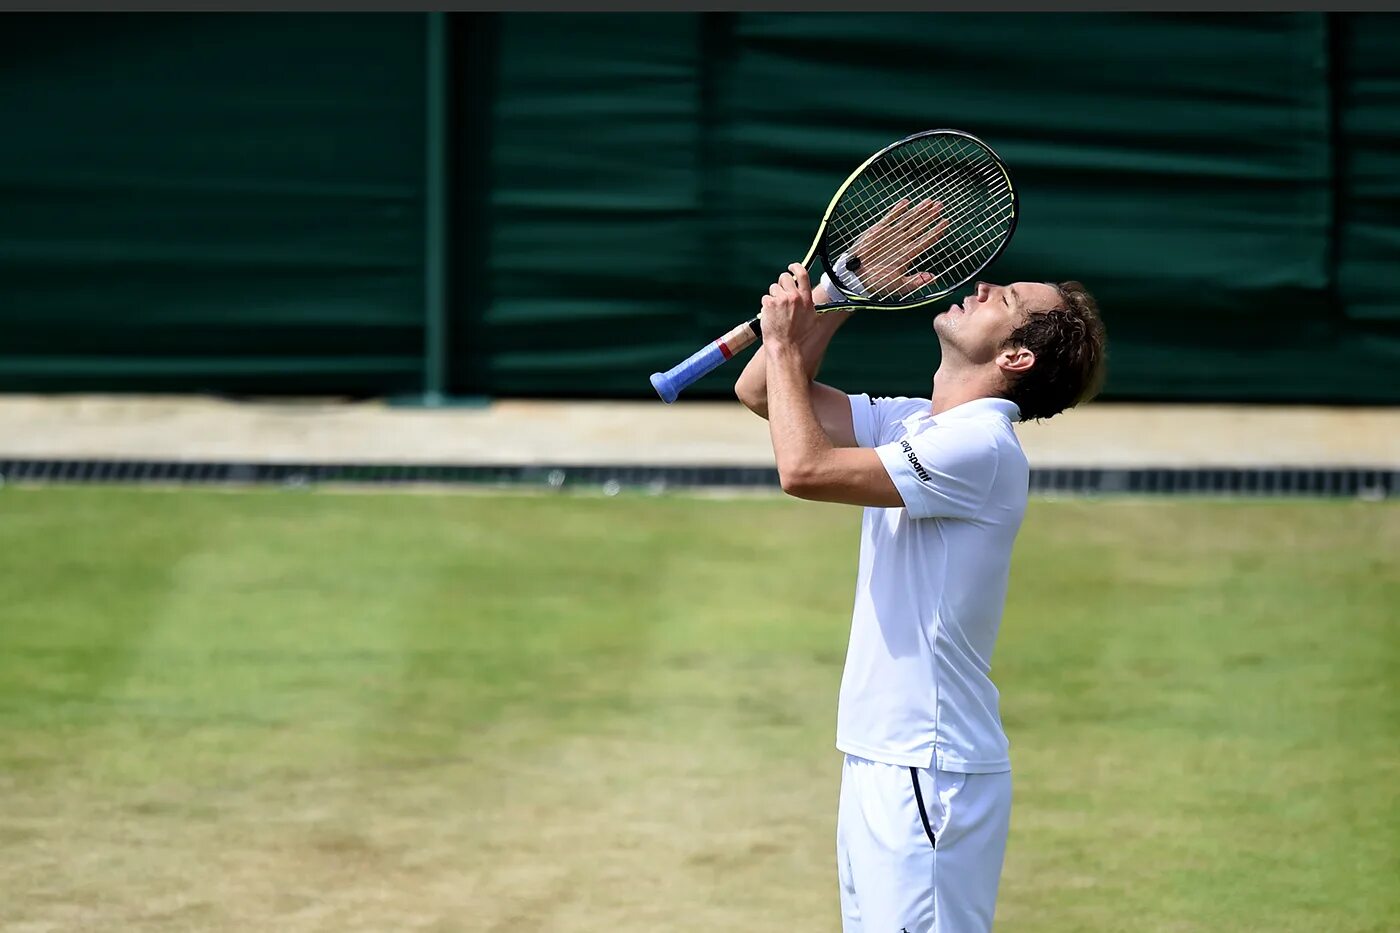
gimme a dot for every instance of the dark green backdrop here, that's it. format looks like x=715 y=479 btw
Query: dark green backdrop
x=236 y=202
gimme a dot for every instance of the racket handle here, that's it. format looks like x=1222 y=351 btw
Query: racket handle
x=669 y=384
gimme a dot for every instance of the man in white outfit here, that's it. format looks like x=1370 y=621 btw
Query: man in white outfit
x=926 y=785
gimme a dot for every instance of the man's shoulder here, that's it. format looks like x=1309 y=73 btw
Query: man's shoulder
x=885 y=416
x=896 y=404
x=992 y=444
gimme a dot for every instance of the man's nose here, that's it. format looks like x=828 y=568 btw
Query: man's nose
x=982 y=289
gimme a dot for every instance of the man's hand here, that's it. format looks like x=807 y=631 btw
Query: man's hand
x=788 y=312
x=810 y=465
x=881 y=257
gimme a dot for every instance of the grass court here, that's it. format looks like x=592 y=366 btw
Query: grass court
x=294 y=711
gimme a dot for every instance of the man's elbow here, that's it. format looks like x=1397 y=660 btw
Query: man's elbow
x=756 y=403
x=798 y=482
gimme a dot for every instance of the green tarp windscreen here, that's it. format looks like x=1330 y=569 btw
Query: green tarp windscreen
x=235 y=203
x=211 y=202
x=1368 y=229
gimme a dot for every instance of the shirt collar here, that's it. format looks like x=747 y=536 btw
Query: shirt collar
x=983 y=408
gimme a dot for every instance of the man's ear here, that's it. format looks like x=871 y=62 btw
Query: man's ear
x=1016 y=360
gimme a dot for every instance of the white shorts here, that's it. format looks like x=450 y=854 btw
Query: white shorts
x=919 y=851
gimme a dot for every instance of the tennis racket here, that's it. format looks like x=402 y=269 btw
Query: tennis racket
x=916 y=220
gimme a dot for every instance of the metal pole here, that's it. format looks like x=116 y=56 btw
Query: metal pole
x=435 y=213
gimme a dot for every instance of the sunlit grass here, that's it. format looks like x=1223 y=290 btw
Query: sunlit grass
x=297 y=711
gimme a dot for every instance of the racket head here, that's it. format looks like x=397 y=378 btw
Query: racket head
x=979 y=205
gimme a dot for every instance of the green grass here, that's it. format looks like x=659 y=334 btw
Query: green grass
x=293 y=711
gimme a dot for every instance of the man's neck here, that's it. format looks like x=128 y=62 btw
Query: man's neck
x=956 y=385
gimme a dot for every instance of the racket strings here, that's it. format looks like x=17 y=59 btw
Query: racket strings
x=962 y=209
x=907 y=186
x=958 y=187
x=954 y=200
x=977 y=206
x=955 y=208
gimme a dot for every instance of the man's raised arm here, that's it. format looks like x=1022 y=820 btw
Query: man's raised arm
x=831 y=406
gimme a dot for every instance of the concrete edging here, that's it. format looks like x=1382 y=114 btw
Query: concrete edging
x=1108 y=435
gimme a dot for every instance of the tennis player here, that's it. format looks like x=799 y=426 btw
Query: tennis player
x=926 y=786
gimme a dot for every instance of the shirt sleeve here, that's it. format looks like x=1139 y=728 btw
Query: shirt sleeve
x=875 y=418
x=944 y=471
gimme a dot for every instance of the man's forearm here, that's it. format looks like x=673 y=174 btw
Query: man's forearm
x=798 y=439
x=752 y=385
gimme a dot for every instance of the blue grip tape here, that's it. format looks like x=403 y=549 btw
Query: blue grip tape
x=669 y=384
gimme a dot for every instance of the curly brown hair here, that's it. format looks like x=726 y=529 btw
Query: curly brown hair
x=1069 y=346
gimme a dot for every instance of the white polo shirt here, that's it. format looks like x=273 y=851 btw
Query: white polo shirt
x=932 y=585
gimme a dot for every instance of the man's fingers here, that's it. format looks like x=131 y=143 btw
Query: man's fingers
x=912 y=283
x=892 y=214
x=906 y=215
x=916 y=218
x=931 y=215
x=776 y=289
x=887 y=226
x=931 y=237
x=800 y=277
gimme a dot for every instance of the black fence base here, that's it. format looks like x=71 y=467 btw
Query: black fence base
x=1259 y=481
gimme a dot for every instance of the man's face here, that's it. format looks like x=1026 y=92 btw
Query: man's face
x=978 y=326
